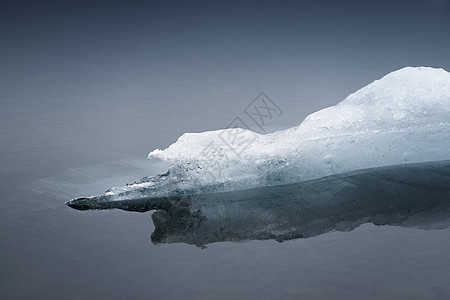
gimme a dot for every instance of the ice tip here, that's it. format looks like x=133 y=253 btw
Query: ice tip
x=79 y=203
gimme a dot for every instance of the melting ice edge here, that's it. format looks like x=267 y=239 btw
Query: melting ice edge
x=411 y=195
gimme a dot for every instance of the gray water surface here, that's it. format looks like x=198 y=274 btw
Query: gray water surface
x=87 y=90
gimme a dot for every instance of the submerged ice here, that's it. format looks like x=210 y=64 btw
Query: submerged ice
x=402 y=118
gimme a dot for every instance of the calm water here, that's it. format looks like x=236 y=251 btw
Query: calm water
x=53 y=149
x=88 y=89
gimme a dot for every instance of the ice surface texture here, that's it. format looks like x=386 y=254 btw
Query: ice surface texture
x=402 y=118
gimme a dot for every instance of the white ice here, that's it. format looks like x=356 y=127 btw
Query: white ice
x=402 y=118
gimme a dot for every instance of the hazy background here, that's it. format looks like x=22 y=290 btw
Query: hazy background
x=88 y=88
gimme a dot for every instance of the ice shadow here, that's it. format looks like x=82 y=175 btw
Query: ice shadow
x=411 y=195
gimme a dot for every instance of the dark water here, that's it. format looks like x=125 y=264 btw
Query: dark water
x=57 y=252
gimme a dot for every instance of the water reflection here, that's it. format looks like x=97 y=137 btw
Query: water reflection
x=405 y=195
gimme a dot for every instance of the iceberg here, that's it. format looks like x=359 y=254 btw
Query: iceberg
x=382 y=156
x=401 y=118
